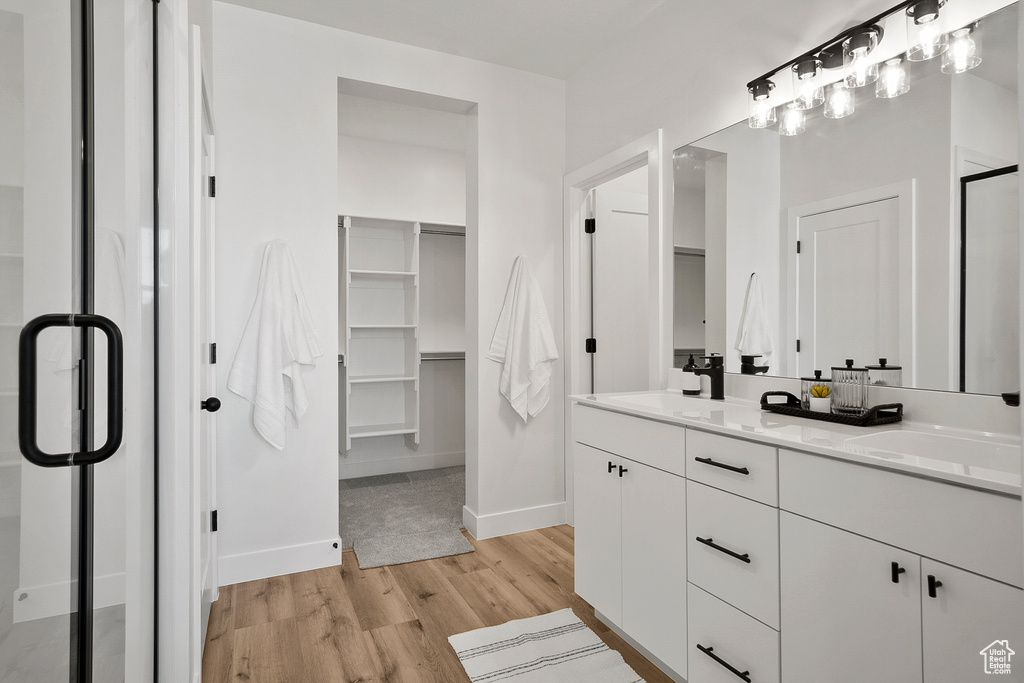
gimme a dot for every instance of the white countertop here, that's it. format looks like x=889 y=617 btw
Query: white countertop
x=977 y=459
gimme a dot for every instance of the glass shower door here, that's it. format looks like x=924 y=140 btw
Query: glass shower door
x=76 y=468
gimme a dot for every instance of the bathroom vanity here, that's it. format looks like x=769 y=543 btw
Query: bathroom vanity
x=735 y=544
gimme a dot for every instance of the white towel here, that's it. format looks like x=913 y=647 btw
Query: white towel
x=279 y=346
x=754 y=337
x=524 y=343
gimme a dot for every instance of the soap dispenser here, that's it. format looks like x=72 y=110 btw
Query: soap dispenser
x=691 y=381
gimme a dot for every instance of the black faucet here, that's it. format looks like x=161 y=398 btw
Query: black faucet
x=747 y=366
x=716 y=371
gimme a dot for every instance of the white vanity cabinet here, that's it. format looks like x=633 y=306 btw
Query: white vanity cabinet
x=630 y=520
x=860 y=599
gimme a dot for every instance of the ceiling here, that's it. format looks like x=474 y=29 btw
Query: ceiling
x=542 y=36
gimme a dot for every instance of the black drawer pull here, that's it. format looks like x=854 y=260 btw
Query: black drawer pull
x=709 y=651
x=933 y=583
x=709 y=542
x=731 y=468
x=896 y=571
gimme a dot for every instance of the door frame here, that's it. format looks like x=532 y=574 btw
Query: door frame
x=202 y=256
x=576 y=186
x=904 y=193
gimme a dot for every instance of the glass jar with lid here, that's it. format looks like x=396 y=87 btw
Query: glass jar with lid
x=849 y=389
x=816 y=387
x=885 y=375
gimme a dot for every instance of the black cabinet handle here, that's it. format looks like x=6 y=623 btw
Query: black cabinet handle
x=622 y=470
x=611 y=467
x=731 y=468
x=709 y=651
x=896 y=571
x=933 y=583
x=211 y=404
x=27 y=389
x=711 y=544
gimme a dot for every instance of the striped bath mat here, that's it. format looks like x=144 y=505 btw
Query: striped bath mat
x=551 y=648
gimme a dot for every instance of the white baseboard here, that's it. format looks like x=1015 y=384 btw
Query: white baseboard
x=404 y=463
x=55 y=599
x=277 y=561
x=513 y=521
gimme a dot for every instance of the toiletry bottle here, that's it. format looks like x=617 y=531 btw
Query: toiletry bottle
x=691 y=382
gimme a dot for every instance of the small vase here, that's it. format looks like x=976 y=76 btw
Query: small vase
x=820 y=404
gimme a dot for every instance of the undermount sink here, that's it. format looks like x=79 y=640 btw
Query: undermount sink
x=669 y=402
x=989 y=455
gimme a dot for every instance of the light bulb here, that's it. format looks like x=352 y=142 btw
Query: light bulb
x=924 y=33
x=963 y=53
x=761 y=110
x=839 y=102
x=809 y=93
x=892 y=80
x=860 y=69
x=793 y=121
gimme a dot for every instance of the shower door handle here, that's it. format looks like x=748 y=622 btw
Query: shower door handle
x=27 y=389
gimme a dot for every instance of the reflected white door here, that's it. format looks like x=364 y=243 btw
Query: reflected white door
x=849 y=287
x=621 y=292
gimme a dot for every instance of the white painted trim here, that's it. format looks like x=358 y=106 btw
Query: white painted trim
x=402 y=463
x=513 y=521
x=576 y=187
x=961 y=157
x=904 y=193
x=263 y=564
x=54 y=599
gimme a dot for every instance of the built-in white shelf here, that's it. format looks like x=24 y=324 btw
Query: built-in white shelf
x=381 y=379
x=379 y=309
x=382 y=274
x=367 y=431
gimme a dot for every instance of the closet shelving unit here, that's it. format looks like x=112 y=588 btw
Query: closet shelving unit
x=380 y=310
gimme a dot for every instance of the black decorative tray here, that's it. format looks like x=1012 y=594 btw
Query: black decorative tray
x=879 y=415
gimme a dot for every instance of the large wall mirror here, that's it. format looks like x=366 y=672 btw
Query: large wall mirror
x=906 y=215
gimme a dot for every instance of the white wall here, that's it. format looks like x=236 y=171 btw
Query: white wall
x=277 y=153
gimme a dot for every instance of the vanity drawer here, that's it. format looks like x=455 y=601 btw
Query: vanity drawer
x=743 y=467
x=739 y=640
x=740 y=526
x=975 y=530
x=657 y=444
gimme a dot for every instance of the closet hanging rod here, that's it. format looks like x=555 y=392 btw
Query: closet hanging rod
x=451 y=233
x=450 y=355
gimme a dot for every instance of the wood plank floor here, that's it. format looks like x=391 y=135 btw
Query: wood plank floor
x=391 y=624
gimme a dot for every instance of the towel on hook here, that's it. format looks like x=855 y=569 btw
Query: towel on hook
x=279 y=346
x=754 y=337
x=524 y=343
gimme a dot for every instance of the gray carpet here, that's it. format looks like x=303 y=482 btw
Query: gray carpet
x=397 y=518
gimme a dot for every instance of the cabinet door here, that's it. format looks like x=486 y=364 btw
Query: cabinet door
x=598 y=531
x=967 y=615
x=844 y=620
x=654 y=562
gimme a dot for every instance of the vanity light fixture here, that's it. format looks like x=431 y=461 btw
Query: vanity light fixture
x=761 y=110
x=964 y=52
x=806 y=85
x=839 y=102
x=860 y=68
x=831 y=71
x=925 y=38
x=892 y=79
x=792 y=121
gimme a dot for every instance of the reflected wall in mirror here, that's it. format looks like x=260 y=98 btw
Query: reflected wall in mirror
x=873 y=202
